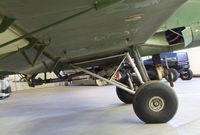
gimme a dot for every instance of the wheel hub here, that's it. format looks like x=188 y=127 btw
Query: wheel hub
x=156 y=104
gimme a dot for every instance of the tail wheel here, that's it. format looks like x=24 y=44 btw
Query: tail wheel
x=187 y=76
x=155 y=102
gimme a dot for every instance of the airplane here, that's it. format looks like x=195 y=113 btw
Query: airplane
x=99 y=38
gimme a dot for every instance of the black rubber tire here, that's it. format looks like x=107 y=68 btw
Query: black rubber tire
x=152 y=75
x=136 y=80
x=144 y=95
x=124 y=96
x=187 y=76
x=175 y=75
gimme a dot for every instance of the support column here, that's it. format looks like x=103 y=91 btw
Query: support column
x=158 y=66
x=139 y=63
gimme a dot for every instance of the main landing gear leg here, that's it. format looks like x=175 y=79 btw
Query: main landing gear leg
x=154 y=102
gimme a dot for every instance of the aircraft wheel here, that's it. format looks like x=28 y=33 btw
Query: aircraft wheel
x=174 y=75
x=187 y=76
x=155 y=102
x=124 y=96
x=152 y=75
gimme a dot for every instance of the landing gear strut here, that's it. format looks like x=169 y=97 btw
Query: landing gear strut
x=153 y=101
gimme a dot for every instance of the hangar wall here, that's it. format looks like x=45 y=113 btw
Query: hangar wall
x=194 y=56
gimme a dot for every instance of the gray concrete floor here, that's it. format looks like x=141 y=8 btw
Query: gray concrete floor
x=92 y=111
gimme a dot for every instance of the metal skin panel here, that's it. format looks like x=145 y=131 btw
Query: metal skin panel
x=186 y=16
x=101 y=32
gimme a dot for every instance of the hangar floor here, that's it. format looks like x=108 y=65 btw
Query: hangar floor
x=92 y=111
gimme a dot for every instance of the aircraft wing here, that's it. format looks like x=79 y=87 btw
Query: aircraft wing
x=49 y=32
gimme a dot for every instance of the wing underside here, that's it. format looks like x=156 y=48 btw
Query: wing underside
x=97 y=33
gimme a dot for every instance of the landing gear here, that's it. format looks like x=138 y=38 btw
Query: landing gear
x=124 y=96
x=152 y=75
x=155 y=102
